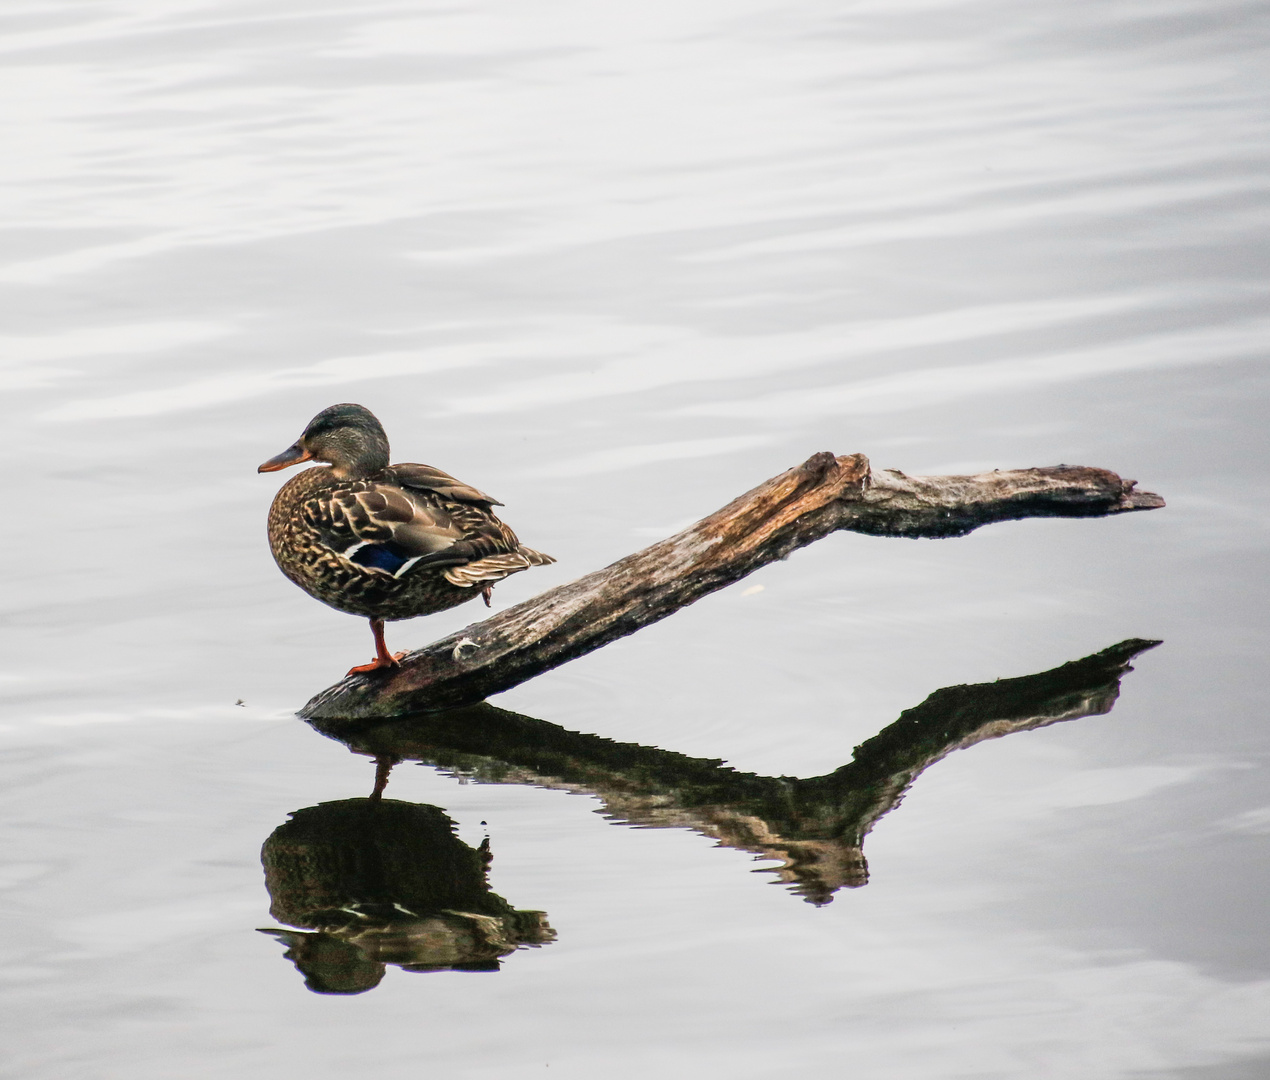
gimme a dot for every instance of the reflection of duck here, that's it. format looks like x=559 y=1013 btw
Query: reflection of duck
x=379 y=540
x=815 y=827
x=386 y=882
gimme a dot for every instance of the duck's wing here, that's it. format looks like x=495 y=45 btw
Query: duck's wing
x=386 y=527
x=426 y=478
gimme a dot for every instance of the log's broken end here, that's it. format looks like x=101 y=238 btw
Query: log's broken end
x=1139 y=500
x=1122 y=493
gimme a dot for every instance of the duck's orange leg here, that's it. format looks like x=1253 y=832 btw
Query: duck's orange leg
x=383 y=658
x=383 y=766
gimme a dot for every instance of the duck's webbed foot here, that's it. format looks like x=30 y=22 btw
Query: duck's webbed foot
x=383 y=658
x=377 y=664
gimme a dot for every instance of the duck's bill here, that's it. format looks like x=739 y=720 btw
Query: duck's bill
x=292 y=455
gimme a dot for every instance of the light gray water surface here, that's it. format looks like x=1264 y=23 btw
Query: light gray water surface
x=616 y=264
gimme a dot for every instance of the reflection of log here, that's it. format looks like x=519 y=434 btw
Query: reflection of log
x=386 y=882
x=788 y=512
x=815 y=827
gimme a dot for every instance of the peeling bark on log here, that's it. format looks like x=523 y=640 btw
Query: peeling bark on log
x=800 y=506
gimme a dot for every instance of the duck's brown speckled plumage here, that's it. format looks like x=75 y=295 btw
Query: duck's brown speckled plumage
x=379 y=540
x=317 y=516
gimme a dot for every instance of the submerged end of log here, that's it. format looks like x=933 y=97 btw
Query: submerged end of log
x=825 y=494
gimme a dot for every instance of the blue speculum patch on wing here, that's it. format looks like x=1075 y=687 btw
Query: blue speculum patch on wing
x=390 y=557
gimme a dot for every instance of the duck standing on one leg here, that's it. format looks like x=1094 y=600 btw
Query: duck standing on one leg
x=379 y=540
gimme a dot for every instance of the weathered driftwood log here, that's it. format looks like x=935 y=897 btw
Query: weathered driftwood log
x=814 y=827
x=821 y=496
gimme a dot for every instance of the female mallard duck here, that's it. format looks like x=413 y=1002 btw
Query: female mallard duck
x=379 y=540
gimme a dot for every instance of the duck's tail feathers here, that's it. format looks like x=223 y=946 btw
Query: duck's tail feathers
x=536 y=558
x=495 y=567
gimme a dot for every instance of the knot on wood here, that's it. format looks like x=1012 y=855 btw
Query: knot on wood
x=462 y=646
x=848 y=476
x=820 y=466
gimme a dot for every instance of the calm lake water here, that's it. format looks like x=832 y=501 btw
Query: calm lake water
x=616 y=264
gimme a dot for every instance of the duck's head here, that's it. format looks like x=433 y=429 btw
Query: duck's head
x=347 y=437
